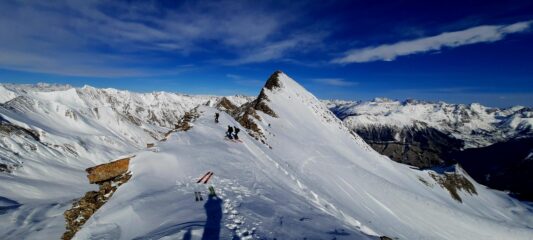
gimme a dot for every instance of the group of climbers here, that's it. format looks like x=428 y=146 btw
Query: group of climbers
x=233 y=132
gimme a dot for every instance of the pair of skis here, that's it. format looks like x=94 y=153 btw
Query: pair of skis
x=205 y=178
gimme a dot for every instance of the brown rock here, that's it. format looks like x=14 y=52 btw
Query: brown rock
x=107 y=171
x=226 y=105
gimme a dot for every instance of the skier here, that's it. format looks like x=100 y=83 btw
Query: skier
x=216 y=117
x=229 y=132
x=235 y=135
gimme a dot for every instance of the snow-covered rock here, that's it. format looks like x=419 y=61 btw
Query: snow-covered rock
x=475 y=124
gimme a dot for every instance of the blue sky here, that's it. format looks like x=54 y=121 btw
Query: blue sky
x=454 y=51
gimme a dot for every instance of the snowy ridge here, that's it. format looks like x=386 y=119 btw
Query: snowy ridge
x=50 y=133
x=477 y=125
x=318 y=181
x=314 y=179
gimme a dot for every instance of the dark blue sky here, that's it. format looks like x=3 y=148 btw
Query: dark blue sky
x=455 y=51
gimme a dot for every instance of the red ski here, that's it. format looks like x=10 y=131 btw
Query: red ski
x=203 y=177
x=208 y=177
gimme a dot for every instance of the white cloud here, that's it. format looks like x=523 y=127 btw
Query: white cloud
x=233 y=76
x=275 y=50
x=337 y=82
x=389 y=52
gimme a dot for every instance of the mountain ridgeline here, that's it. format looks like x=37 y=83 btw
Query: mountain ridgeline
x=297 y=170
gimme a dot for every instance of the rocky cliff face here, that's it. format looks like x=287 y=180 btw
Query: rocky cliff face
x=490 y=143
x=417 y=145
x=504 y=166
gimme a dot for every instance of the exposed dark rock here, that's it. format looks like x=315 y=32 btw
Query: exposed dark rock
x=12 y=129
x=5 y=168
x=86 y=206
x=273 y=81
x=188 y=117
x=260 y=104
x=504 y=166
x=247 y=114
x=71 y=114
x=225 y=104
x=106 y=171
x=419 y=146
x=454 y=182
x=184 y=123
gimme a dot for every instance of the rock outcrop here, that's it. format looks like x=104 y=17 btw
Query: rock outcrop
x=419 y=145
x=247 y=113
x=107 y=171
x=503 y=166
x=454 y=181
x=109 y=177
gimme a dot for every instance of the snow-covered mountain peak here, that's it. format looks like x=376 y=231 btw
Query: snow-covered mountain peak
x=5 y=94
x=474 y=123
x=284 y=102
x=281 y=84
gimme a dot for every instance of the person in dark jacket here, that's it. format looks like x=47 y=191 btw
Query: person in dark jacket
x=216 y=117
x=229 y=132
x=237 y=130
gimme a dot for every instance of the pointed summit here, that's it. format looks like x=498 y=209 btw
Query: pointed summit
x=282 y=99
x=273 y=81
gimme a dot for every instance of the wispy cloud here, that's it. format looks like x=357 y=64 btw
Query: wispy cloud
x=389 y=52
x=337 y=82
x=102 y=38
x=276 y=49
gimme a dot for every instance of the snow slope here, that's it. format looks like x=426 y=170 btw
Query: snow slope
x=317 y=181
x=477 y=125
x=49 y=134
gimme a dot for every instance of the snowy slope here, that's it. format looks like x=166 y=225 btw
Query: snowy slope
x=477 y=125
x=317 y=181
x=49 y=134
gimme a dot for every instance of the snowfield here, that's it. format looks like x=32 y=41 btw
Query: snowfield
x=313 y=178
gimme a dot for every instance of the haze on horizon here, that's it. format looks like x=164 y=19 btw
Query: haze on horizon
x=458 y=52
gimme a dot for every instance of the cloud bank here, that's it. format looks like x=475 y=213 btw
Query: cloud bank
x=389 y=52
